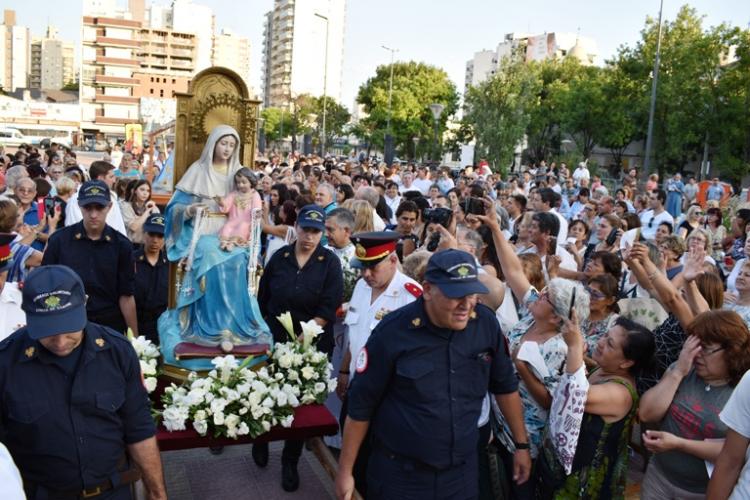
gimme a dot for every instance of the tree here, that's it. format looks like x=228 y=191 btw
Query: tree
x=415 y=87
x=499 y=111
x=337 y=117
x=273 y=128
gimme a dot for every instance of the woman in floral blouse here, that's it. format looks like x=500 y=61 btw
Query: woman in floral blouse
x=540 y=320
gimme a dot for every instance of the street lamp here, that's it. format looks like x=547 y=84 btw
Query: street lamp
x=415 y=140
x=437 y=110
x=388 y=143
x=325 y=86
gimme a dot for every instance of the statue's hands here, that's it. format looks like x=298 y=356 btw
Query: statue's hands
x=193 y=209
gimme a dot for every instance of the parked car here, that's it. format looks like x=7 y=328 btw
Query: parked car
x=12 y=137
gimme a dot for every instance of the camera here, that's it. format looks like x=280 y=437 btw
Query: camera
x=439 y=215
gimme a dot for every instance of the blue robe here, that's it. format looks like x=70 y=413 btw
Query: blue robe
x=674 y=197
x=218 y=305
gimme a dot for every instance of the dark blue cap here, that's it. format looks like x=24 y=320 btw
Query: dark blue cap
x=154 y=224
x=455 y=273
x=94 y=192
x=312 y=216
x=54 y=300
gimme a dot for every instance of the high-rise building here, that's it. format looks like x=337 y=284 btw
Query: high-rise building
x=52 y=62
x=528 y=48
x=188 y=17
x=108 y=65
x=233 y=52
x=295 y=39
x=15 y=53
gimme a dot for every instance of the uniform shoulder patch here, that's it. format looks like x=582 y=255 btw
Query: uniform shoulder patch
x=413 y=289
x=361 y=364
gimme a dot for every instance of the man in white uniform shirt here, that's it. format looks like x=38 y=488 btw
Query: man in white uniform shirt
x=382 y=289
x=103 y=171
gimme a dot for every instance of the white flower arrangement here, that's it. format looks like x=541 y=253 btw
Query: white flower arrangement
x=232 y=401
x=235 y=400
x=148 y=355
x=302 y=364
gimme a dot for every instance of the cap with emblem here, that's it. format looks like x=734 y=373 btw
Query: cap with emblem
x=54 y=301
x=154 y=224
x=6 y=258
x=312 y=216
x=455 y=273
x=372 y=247
x=94 y=192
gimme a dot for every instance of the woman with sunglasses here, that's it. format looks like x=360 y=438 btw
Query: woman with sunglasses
x=538 y=331
x=686 y=403
x=693 y=220
x=604 y=311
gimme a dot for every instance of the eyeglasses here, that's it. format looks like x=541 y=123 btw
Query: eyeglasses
x=707 y=352
x=595 y=294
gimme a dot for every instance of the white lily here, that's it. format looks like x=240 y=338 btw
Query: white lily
x=286 y=321
x=310 y=330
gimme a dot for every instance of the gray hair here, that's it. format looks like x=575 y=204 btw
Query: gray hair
x=14 y=174
x=654 y=254
x=561 y=292
x=502 y=216
x=472 y=237
x=369 y=194
x=327 y=187
x=700 y=231
x=343 y=218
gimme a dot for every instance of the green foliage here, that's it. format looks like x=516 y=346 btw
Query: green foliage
x=337 y=117
x=272 y=123
x=499 y=112
x=73 y=85
x=415 y=87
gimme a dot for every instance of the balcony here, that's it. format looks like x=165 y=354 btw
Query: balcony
x=110 y=21
x=116 y=42
x=113 y=99
x=115 y=80
x=116 y=61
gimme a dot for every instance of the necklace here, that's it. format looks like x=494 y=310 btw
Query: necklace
x=720 y=382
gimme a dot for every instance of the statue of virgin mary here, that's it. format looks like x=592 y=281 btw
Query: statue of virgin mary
x=214 y=307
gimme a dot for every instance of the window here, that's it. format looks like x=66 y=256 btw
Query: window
x=152 y=91
x=161 y=93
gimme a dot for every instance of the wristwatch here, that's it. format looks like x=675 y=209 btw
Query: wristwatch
x=521 y=446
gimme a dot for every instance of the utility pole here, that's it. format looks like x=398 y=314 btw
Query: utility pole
x=325 y=88
x=652 y=109
x=388 y=142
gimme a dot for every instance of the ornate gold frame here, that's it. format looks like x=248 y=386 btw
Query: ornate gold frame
x=215 y=96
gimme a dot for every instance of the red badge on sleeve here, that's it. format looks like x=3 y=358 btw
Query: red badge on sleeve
x=413 y=289
x=361 y=364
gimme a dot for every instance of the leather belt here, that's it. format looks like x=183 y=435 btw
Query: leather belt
x=124 y=477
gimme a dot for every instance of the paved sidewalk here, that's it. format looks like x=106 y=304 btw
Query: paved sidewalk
x=198 y=475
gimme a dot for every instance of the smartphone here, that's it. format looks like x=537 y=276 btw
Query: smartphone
x=49 y=206
x=572 y=303
x=473 y=206
x=552 y=246
x=612 y=237
x=570 y=241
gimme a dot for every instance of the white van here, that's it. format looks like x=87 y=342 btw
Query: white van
x=12 y=137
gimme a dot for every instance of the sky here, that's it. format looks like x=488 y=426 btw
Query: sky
x=444 y=33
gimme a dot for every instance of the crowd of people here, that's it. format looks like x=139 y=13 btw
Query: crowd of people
x=637 y=289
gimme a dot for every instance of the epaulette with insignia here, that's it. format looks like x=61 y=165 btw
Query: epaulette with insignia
x=413 y=289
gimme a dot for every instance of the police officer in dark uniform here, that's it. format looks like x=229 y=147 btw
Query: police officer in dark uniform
x=420 y=382
x=73 y=411
x=305 y=279
x=151 y=277
x=102 y=257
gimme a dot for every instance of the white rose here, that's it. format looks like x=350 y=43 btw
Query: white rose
x=281 y=398
x=319 y=387
x=285 y=361
x=242 y=411
x=200 y=415
x=293 y=375
x=219 y=419
x=266 y=425
x=232 y=420
x=268 y=403
x=150 y=383
x=200 y=426
x=243 y=429
x=308 y=372
x=287 y=421
x=174 y=419
x=257 y=411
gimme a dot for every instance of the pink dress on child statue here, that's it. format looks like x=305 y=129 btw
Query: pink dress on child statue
x=239 y=216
